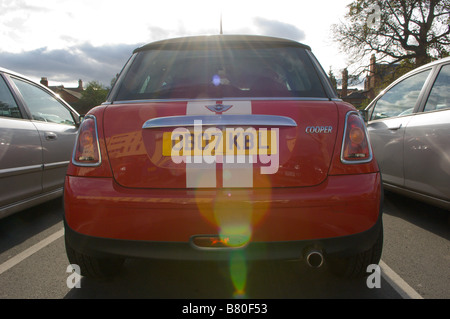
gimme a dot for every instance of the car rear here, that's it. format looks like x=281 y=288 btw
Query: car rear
x=209 y=145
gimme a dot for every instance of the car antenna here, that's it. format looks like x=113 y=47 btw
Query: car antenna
x=221 y=30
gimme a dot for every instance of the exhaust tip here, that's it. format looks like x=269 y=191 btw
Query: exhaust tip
x=314 y=258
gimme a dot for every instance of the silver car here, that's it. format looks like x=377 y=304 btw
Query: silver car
x=409 y=129
x=37 y=134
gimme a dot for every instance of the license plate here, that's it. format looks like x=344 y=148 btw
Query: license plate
x=213 y=141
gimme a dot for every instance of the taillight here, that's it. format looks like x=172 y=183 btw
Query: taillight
x=87 y=151
x=356 y=147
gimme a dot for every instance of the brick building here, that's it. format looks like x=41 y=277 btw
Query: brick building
x=378 y=76
x=70 y=95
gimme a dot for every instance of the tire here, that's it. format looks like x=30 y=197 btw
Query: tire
x=92 y=267
x=356 y=266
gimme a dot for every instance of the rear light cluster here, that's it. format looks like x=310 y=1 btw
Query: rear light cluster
x=356 y=147
x=87 y=151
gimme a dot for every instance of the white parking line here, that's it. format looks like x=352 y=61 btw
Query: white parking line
x=30 y=251
x=396 y=282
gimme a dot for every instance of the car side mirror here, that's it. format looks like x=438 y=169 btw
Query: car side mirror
x=80 y=120
x=365 y=115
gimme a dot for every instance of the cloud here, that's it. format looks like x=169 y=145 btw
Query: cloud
x=21 y=6
x=101 y=63
x=278 y=29
x=83 y=61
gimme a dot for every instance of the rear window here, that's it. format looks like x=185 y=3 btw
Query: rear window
x=225 y=73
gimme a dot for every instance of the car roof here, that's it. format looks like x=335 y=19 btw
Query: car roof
x=414 y=71
x=219 y=41
x=4 y=70
x=406 y=75
x=431 y=64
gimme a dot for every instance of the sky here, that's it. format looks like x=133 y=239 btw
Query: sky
x=91 y=40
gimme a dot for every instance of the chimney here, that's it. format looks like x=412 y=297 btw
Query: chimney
x=80 y=85
x=344 y=83
x=371 y=77
x=372 y=65
x=44 y=81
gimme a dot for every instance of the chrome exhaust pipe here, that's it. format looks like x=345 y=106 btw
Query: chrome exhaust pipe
x=314 y=258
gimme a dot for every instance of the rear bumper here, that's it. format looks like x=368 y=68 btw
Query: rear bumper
x=340 y=216
x=286 y=250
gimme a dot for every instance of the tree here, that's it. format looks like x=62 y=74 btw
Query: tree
x=409 y=31
x=332 y=79
x=94 y=94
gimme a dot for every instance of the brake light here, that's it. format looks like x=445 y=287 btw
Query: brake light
x=87 y=151
x=356 y=147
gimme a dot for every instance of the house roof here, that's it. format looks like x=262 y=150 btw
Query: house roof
x=76 y=94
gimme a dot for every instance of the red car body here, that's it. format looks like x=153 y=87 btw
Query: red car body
x=283 y=177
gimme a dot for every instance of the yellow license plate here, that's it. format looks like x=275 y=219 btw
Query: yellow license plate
x=213 y=141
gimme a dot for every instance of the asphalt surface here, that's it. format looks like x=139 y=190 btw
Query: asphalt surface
x=416 y=260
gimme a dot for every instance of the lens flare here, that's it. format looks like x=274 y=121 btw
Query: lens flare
x=238 y=273
x=216 y=80
x=234 y=222
x=234 y=214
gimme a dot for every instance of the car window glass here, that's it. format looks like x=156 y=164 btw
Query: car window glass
x=440 y=94
x=232 y=72
x=43 y=106
x=8 y=106
x=400 y=99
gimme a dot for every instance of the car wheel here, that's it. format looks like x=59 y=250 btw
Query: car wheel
x=356 y=266
x=93 y=267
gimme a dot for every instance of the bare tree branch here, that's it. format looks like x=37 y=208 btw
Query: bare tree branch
x=409 y=33
x=409 y=29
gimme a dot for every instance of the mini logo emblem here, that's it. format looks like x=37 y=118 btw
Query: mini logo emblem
x=218 y=107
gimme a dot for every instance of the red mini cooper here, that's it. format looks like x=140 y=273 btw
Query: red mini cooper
x=210 y=145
